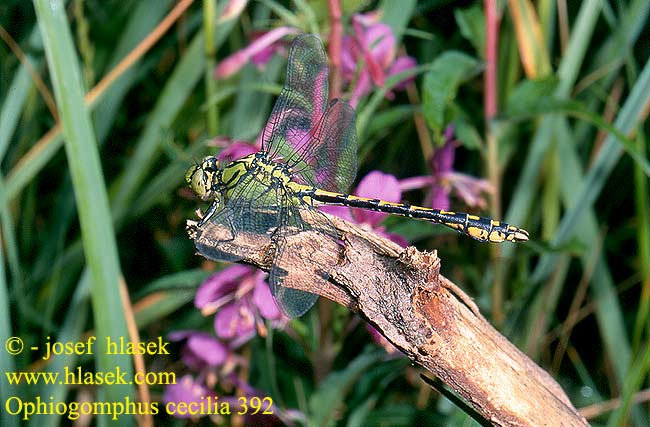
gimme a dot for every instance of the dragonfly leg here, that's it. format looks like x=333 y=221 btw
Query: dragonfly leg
x=211 y=211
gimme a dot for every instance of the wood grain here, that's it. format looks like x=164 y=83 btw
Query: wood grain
x=401 y=292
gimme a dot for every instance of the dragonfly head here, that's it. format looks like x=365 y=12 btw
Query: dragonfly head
x=201 y=178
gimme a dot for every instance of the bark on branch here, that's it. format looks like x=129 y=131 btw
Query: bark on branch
x=401 y=292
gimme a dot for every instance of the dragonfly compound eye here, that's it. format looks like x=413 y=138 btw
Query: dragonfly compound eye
x=190 y=173
x=199 y=181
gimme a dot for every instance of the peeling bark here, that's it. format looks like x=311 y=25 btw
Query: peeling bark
x=401 y=292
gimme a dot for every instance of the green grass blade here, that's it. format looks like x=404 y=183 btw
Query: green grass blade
x=209 y=22
x=11 y=245
x=171 y=100
x=568 y=70
x=71 y=331
x=12 y=107
x=594 y=181
x=142 y=20
x=608 y=310
x=6 y=360
x=30 y=165
x=173 y=97
x=331 y=393
x=98 y=238
x=633 y=383
x=643 y=238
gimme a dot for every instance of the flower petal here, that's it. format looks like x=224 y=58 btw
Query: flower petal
x=381 y=42
x=373 y=65
x=470 y=189
x=443 y=158
x=237 y=60
x=440 y=197
x=212 y=351
x=234 y=320
x=400 y=65
x=396 y=238
x=340 y=211
x=377 y=185
x=265 y=302
x=237 y=150
x=217 y=287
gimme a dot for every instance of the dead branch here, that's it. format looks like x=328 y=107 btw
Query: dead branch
x=402 y=294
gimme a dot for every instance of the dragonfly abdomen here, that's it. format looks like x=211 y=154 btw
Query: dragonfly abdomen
x=479 y=228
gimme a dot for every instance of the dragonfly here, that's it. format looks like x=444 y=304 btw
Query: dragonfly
x=308 y=158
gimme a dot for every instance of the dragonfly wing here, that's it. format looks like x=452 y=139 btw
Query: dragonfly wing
x=302 y=101
x=292 y=302
x=308 y=234
x=328 y=159
x=318 y=140
x=216 y=240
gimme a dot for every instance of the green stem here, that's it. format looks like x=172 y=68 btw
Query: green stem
x=100 y=248
x=209 y=26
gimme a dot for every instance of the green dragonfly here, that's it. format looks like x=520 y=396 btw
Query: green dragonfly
x=308 y=158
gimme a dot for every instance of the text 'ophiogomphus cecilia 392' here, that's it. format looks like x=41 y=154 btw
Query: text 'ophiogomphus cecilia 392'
x=308 y=158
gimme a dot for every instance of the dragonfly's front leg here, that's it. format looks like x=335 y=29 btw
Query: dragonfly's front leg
x=211 y=211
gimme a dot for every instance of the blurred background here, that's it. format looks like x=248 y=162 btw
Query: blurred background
x=530 y=112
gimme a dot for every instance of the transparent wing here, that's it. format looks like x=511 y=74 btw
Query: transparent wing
x=302 y=100
x=308 y=233
x=327 y=158
x=318 y=141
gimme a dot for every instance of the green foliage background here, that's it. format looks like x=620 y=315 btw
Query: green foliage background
x=567 y=150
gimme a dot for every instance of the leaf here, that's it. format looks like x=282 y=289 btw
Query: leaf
x=532 y=95
x=330 y=395
x=397 y=15
x=471 y=23
x=535 y=97
x=467 y=134
x=441 y=85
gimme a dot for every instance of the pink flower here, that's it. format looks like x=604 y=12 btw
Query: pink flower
x=369 y=55
x=240 y=298
x=233 y=149
x=444 y=179
x=201 y=350
x=375 y=185
x=259 y=52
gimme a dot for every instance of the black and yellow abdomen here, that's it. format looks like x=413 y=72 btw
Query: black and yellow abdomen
x=479 y=228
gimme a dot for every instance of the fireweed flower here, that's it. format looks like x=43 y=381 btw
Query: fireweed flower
x=233 y=149
x=444 y=180
x=241 y=299
x=259 y=52
x=374 y=185
x=369 y=57
x=201 y=351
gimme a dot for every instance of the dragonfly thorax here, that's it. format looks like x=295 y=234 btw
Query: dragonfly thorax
x=268 y=171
